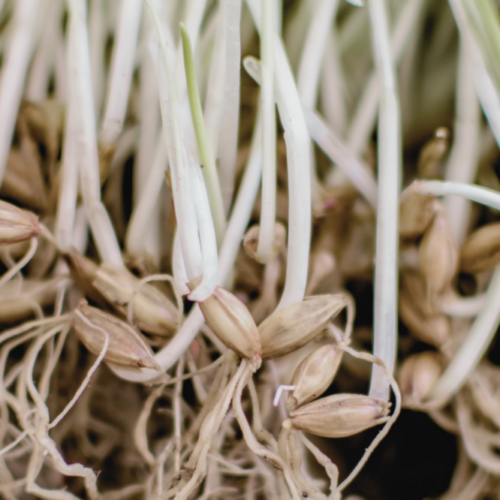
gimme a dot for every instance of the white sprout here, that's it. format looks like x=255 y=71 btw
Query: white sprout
x=389 y=157
x=364 y=117
x=463 y=158
x=268 y=202
x=181 y=188
x=14 y=72
x=43 y=63
x=100 y=223
x=310 y=66
x=299 y=171
x=98 y=31
x=332 y=89
x=485 y=87
x=68 y=189
x=146 y=213
x=223 y=97
x=122 y=65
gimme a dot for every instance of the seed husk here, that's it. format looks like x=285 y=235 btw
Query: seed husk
x=126 y=347
x=437 y=257
x=432 y=153
x=23 y=181
x=45 y=255
x=16 y=224
x=83 y=271
x=481 y=250
x=292 y=327
x=417 y=376
x=153 y=311
x=16 y=304
x=340 y=415
x=232 y=323
x=251 y=241
x=314 y=375
x=44 y=121
x=412 y=284
x=321 y=264
x=426 y=325
x=416 y=211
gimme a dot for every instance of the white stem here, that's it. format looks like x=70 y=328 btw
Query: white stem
x=228 y=137
x=202 y=151
x=149 y=117
x=479 y=194
x=194 y=18
x=240 y=216
x=408 y=70
x=364 y=118
x=97 y=43
x=464 y=307
x=299 y=181
x=242 y=209
x=485 y=88
x=60 y=70
x=14 y=72
x=215 y=86
x=268 y=204
x=296 y=31
x=332 y=85
x=179 y=268
x=299 y=172
x=204 y=51
x=68 y=188
x=181 y=188
x=309 y=71
x=207 y=238
x=43 y=63
x=472 y=349
x=121 y=70
x=150 y=136
x=81 y=230
x=315 y=44
x=389 y=154
x=100 y=223
x=463 y=158
x=223 y=96
x=140 y=221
